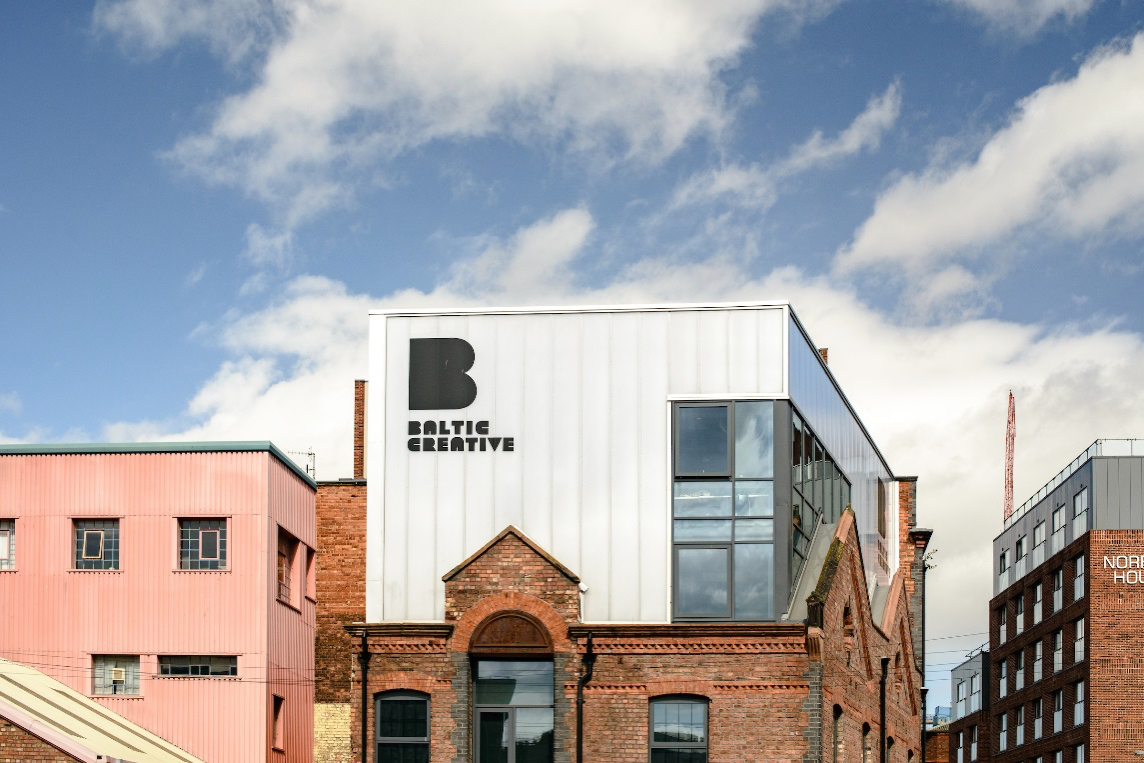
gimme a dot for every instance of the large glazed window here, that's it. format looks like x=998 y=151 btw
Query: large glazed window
x=402 y=724
x=115 y=674
x=513 y=704
x=723 y=510
x=679 y=730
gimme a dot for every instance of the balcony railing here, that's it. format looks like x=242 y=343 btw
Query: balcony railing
x=1098 y=448
x=1080 y=524
x=1058 y=541
x=1058 y=660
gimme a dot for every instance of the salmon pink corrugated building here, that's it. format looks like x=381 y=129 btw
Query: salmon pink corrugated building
x=172 y=583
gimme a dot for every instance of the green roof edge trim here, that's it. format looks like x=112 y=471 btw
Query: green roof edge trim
x=84 y=448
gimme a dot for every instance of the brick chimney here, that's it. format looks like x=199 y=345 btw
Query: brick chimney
x=359 y=428
x=823 y=351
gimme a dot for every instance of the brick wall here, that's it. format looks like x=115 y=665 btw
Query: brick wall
x=20 y=746
x=769 y=686
x=1115 y=701
x=937 y=746
x=359 y=429
x=340 y=587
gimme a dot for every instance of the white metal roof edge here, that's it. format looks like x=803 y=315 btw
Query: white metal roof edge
x=50 y=736
x=562 y=309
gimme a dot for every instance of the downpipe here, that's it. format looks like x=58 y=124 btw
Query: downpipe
x=589 y=661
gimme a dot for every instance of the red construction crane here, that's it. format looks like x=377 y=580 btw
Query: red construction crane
x=1010 y=438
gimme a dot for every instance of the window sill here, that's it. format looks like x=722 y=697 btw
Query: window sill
x=311 y=599
x=9 y=569
x=197 y=678
x=288 y=605
x=116 y=696
x=98 y=572
x=181 y=571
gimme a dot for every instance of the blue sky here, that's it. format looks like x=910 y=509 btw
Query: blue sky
x=199 y=201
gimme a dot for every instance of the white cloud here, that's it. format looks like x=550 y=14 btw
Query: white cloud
x=1025 y=17
x=344 y=85
x=10 y=402
x=1069 y=163
x=756 y=186
x=933 y=397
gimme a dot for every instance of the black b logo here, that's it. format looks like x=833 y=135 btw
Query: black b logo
x=437 y=378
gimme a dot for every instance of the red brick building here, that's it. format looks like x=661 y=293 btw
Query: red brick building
x=1066 y=683
x=567 y=559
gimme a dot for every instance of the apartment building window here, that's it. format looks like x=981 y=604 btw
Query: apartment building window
x=1078 y=754
x=115 y=674
x=1019 y=671
x=1058 y=541
x=1020 y=726
x=7 y=544
x=961 y=699
x=1003 y=679
x=402 y=726
x=1038 y=543
x=1003 y=571
x=202 y=544
x=1058 y=589
x=1019 y=616
x=1058 y=710
x=1078 y=577
x=210 y=666
x=1037 y=716
x=1058 y=639
x=1037 y=652
x=723 y=509
x=1038 y=603
x=1003 y=732
x=1080 y=513
x=975 y=692
x=973 y=743
x=960 y=748
x=96 y=544
x=678 y=730
x=1022 y=564
x=1078 y=640
x=1002 y=616
x=287 y=551
x=1058 y=756
x=1078 y=703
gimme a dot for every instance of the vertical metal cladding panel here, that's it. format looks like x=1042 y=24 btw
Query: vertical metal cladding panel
x=290 y=657
x=586 y=396
x=148 y=607
x=813 y=392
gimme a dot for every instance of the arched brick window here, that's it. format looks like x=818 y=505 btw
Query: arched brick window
x=836 y=742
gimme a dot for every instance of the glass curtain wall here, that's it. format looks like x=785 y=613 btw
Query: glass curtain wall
x=819 y=489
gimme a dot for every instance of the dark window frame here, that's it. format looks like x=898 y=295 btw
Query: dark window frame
x=190 y=532
x=169 y=666
x=405 y=695
x=679 y=699
x=729 y=477
x=510 y=709
x=107 y=530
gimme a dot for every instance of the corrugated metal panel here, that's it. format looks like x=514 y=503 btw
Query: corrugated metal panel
x=150 y=607
x=587 y=397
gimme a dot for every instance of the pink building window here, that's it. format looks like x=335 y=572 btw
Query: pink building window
x=279 y=721
x=97 y=544
x=202 y=544
x=287 y=550
x=7 y=544
x=115 y=674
